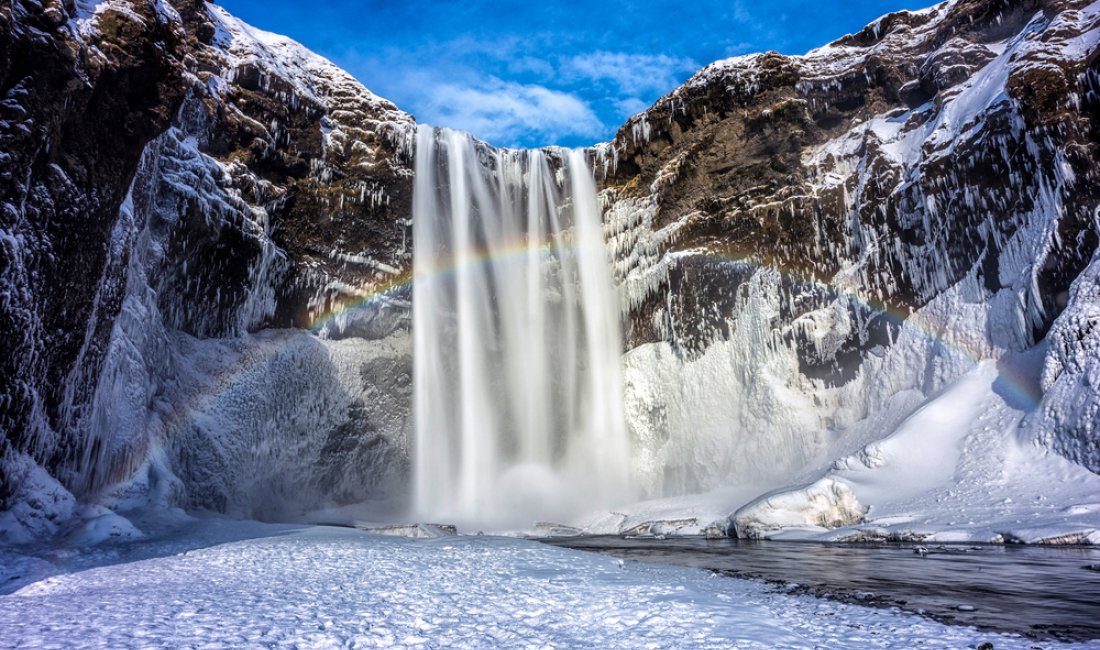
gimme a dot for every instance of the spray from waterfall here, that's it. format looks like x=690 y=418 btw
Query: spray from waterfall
x=517 y=341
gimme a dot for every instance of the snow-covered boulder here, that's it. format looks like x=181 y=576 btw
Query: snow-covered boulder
x=39 y=506
x=98 y=525
x=828 y=503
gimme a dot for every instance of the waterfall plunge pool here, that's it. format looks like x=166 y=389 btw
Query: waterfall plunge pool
x=1041 y=592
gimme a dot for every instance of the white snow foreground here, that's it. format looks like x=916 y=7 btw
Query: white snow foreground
x=323 y=587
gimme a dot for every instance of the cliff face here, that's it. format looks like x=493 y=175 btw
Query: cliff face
x=891 y=163
x=933 y=176
x=807 y=247
x=171 y=173
x=79 y=106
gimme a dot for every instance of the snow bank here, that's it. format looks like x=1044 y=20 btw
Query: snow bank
x=954 y=471
x=101 y=525
x=695 y=514
x=39 y=507
x=825 y=504
x=43 y=508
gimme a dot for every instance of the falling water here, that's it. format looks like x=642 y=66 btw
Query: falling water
x=518 y=389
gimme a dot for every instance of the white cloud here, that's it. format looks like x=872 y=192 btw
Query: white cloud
x=504 y=112
x=634 y=74
x=529 y=64
x=742 y=47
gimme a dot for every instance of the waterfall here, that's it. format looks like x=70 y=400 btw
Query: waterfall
x=517 y=338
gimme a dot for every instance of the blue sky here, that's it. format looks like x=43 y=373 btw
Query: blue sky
x=540 y=73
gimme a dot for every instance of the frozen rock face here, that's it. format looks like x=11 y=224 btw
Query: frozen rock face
x=274 y=425
x=82 y=97
x=1069 y=418
x=809 y=246
x=170 y=173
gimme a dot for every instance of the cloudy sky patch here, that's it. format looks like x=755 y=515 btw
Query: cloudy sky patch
x=508 y=112
x=635 y=75
x=521 y=73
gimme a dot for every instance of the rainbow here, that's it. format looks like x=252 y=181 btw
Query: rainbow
x=1018 y=388
x=385 y=291
x=970 y=346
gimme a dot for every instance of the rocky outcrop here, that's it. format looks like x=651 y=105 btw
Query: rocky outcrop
x=890 y=164
x=82 y=97
x=305 y=143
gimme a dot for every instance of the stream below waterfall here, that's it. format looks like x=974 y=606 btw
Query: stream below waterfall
x=1042 y=592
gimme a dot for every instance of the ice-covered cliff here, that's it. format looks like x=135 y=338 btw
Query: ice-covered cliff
x=175 y=181
x=812 y=247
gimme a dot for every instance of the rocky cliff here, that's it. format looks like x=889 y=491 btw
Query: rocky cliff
x=929 y=184
x=174 y=178
x=891 y=163
x=206 y=246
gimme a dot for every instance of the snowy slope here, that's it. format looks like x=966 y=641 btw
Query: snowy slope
x=954 y=470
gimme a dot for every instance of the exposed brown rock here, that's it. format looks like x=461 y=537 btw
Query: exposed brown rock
x=729 y=158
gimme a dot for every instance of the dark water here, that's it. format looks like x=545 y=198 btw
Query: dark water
x=1043 y=592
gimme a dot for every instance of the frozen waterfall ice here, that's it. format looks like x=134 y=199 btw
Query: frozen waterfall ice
x=517 y=341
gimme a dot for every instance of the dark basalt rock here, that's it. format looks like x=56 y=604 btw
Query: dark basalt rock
x=74 y=120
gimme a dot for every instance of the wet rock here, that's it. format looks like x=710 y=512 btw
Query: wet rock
x=551 y=529
x=659 y=527
x=716 y=530
x=416 y=531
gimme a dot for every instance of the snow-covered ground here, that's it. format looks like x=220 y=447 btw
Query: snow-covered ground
x=220 y=583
